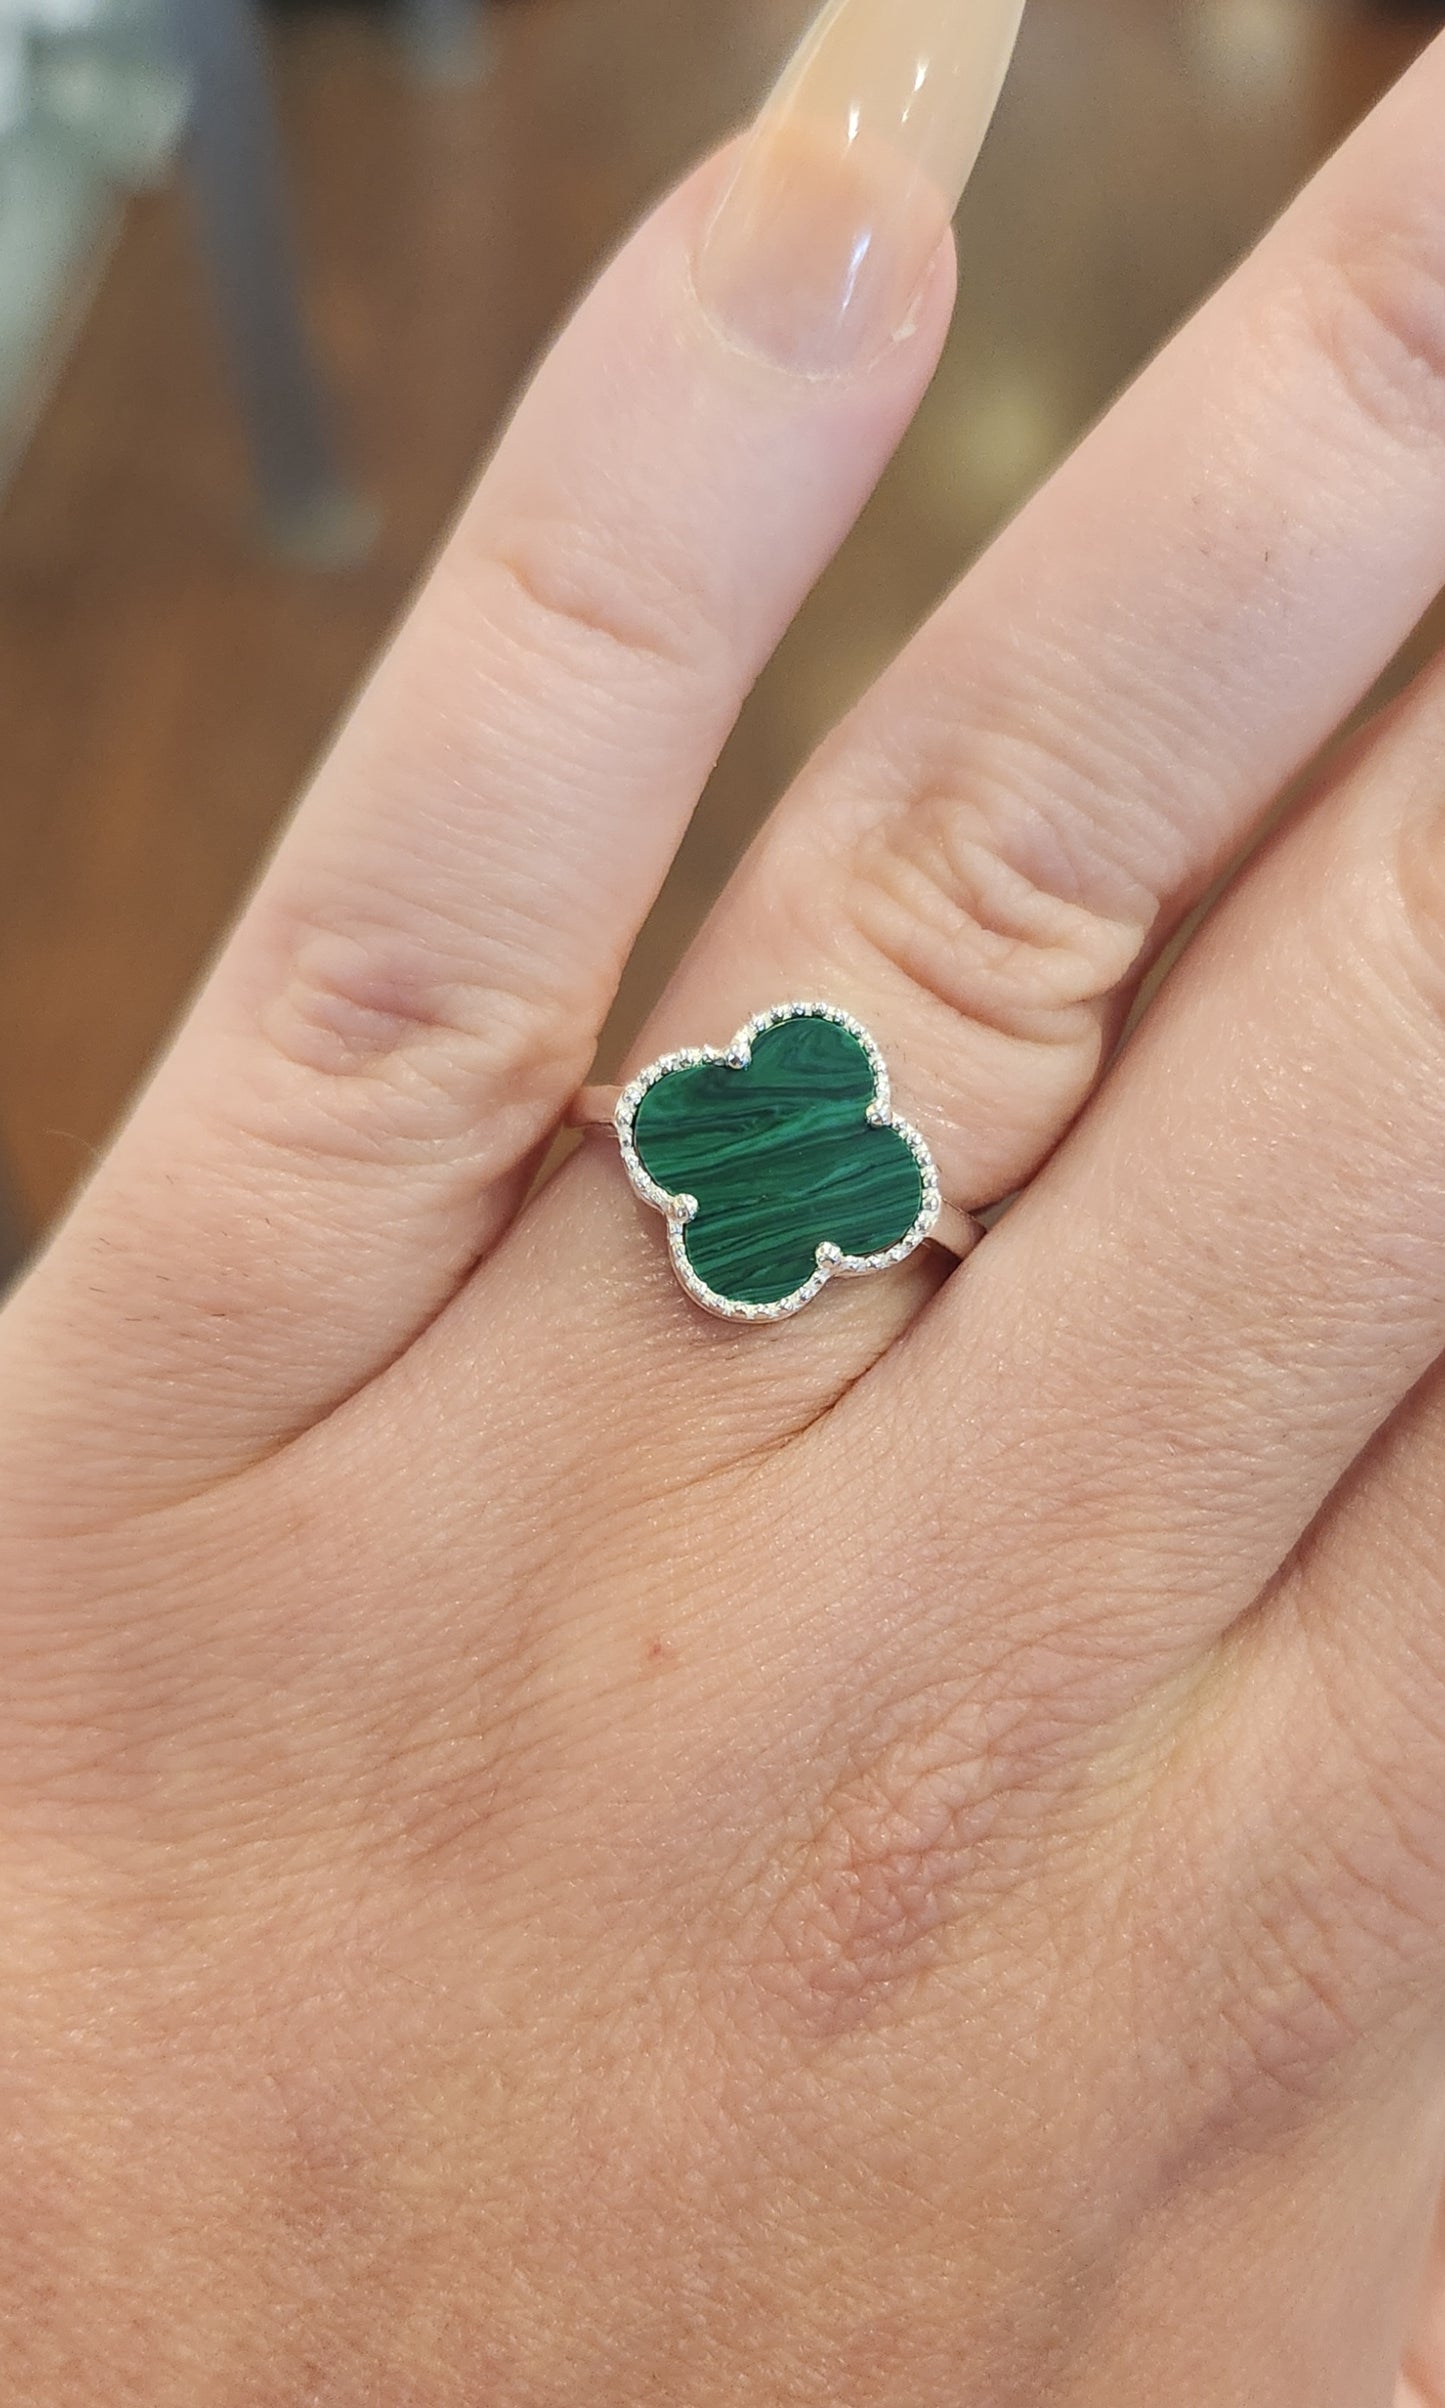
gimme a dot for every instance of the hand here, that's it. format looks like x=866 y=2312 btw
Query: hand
x=557 y=1853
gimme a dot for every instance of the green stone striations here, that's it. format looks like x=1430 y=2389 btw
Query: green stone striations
x=781 y=1158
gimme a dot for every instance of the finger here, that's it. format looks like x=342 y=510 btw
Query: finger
x=1356 y=1628
x=1220 y=1290
x=981 y=862
x=418 y=987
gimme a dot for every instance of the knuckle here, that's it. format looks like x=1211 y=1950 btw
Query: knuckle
x=372 y=1040
x=907 y=1845
x=931 y=890
x=568 y=592
x=862 y=1916
x=1375 y=306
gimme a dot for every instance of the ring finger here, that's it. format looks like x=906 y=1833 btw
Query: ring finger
x=981 y=862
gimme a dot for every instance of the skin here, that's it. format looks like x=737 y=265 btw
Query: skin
x=559 y=1854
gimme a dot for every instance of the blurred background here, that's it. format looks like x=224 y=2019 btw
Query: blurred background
x=269 y=280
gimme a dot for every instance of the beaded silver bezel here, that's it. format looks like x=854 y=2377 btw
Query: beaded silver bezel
x=679 y=1210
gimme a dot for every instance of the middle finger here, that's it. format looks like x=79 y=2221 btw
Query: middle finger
x=979 y=863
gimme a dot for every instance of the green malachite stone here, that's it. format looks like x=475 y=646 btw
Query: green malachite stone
x=781 y=1158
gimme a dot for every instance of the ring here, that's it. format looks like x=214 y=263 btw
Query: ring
x=777 y=1162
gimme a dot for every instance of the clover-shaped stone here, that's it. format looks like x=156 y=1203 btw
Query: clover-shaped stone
x=778 y=1163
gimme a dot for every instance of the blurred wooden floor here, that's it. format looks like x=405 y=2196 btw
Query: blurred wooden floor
x=164 y=684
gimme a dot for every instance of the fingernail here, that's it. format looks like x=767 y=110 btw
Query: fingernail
x=826 y=235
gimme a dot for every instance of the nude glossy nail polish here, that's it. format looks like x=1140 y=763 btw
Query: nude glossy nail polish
x=817 y=254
